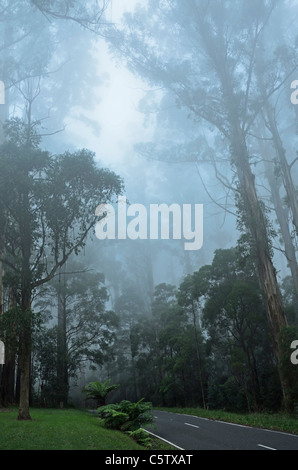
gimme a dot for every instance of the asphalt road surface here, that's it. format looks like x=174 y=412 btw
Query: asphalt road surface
x=192 y=433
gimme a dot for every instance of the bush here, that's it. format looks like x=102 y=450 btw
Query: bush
x=126 y=416
x=112 y=418
x=99 y=390
x=141 y=437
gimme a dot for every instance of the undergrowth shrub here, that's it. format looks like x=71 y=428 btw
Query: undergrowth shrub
x=141 y=437
x=126 y=416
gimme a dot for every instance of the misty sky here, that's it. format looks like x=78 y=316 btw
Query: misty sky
x=120 y=122
x=120 y=125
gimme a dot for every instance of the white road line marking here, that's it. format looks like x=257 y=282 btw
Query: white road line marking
x=192 y=425
x=162 y=439
x=266 y=447
x=239 y=425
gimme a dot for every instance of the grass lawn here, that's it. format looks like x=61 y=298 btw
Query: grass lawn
x=67 y=429
x=274 y=421
x=71 y=429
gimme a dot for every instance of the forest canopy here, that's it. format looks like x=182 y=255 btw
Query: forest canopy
x=214 y=87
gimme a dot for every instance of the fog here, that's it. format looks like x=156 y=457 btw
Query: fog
x=188 y=110
x=115 y=124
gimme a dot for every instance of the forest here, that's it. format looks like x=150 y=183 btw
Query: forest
x=176 y=103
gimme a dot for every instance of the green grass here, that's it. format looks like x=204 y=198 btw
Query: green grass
x=55 y=429
x=71 y=429
x=276 y=421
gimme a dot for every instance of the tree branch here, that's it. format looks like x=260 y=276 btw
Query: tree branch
x=293 y=162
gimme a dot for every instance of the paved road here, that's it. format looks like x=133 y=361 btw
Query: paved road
x=192 y=433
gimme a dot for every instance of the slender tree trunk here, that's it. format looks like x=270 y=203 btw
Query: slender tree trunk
x=62 y=372
x=149 y=275
x=132 y=355
x=1 y=289
x=25 y=358
x=253 y=387
x=200 y=367
x=251 y=211
x=2 y=401
x=8 y=376
x=256 y=224
x=3 y=112
x=135 y=388
x=281 y=214
x=26 y=320
x=18 y=385
x=285 y=167
x=253 y=215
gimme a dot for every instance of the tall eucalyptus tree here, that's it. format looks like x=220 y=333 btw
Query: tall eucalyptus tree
x=205 y=54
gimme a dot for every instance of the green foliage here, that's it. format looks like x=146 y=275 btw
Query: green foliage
x=113 y=419
x=56 y=429
x=15 y=319
x=126 y=416
x=99 y=390
x=141 y=437
x=47 y=212
x=62 y=191
x=206 y=343
x=20 y=134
